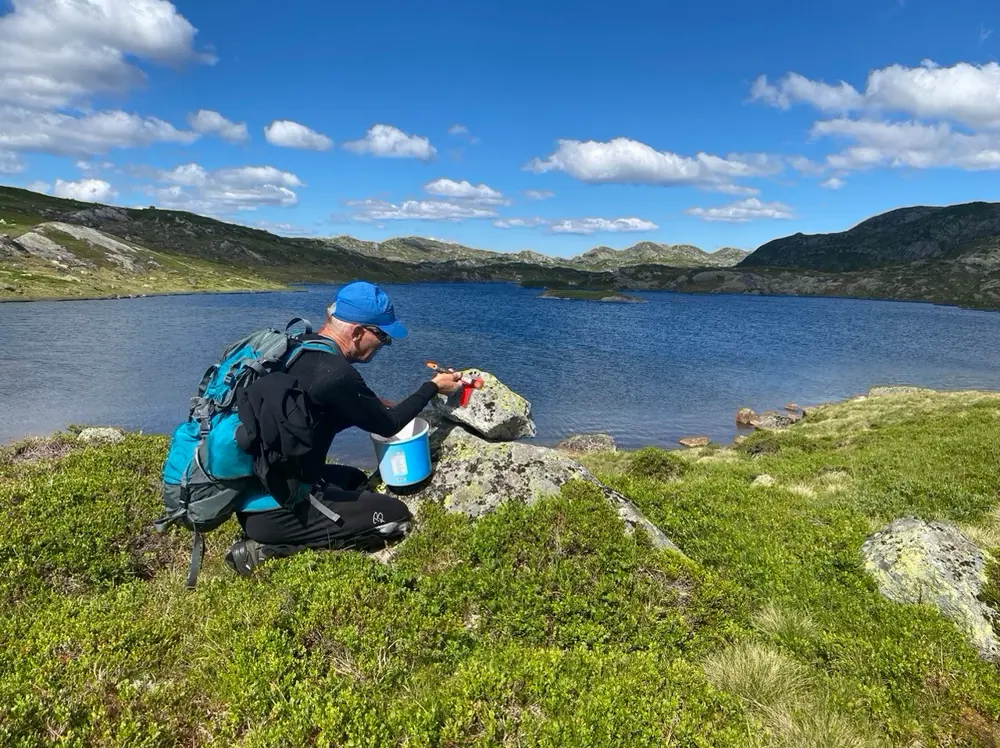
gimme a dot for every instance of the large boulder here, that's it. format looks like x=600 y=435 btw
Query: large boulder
x=475 y=476
x=934 y=563
x=495 y=412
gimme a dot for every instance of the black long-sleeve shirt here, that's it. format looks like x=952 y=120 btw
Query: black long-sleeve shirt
x=342 y=400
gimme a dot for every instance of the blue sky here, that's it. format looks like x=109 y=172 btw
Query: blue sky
x=554 y=127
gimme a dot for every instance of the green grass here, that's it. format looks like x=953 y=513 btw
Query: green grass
x=33 y=278
x=541 y=625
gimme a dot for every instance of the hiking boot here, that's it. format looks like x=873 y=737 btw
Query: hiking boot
x=243 y=556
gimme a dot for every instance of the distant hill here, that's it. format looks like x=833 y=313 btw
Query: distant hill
x=418 y=250
x=51 y=247
x=895 y=238
x=652 y=253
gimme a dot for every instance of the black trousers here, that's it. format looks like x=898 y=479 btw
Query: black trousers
x=367 y=520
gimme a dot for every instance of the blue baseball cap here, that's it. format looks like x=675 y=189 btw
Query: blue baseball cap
x=366 y=304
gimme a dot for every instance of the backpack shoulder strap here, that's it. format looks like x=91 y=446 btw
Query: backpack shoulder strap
x=301 y=346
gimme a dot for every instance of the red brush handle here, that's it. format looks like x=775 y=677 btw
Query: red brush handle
x=466 y=394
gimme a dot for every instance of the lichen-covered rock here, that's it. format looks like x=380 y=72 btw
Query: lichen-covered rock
x=764 y=480
x=495 y=412
x=772 y=419
x=475 y=476
x=587 y=443
x=745 y=416
x=934 y=563
x=101 y=434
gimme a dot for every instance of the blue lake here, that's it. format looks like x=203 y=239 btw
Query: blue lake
x=645 y=373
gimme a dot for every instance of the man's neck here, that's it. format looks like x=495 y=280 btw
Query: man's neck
x=342 y=339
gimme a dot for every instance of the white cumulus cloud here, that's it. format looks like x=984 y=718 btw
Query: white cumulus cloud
x=10 y=163
x=373 y=211
x=595 y=225
x=66 y=135
x=630 y=161
x=539 y=194
x=480 y=193
x=911 y=144
x=39 y=186
x=86 y=190
x=833 y=183
x=797 y=88
x=391 y=142
x=519 y=223
x=288 y=134
x=206 y=122
x=964 y=92
x=742 y=211
x=55 y=53
x=193 y=188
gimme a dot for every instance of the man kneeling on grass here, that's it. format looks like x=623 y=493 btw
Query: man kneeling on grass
x=360 y=323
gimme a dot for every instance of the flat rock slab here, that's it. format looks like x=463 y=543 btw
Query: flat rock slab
x=587 y=443
x=474 y=476
x=934 y=563
x=495 y=412
x=693 y=441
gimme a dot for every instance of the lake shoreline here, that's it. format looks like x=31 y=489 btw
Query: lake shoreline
x=121 y=297
x=292 y=288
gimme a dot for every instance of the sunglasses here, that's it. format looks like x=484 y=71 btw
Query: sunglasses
x=383 y=338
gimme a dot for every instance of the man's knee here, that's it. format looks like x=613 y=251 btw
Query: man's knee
x=344 y=477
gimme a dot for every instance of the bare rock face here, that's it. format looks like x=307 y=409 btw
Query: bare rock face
x=495 y=412
x=587 y=443
x=934 y=563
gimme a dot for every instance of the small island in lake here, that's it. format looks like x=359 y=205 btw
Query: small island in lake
x=586 y=294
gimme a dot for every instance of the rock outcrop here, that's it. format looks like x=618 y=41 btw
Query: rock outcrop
x=587 y=443
x=495 y=412
x=694 y=441
x=772 y=419
x=474 y=475
x=934 y=563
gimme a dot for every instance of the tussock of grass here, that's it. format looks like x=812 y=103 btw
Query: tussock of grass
x=787 y=625
x=544 y=625
x=656 y=464
x=763 y=677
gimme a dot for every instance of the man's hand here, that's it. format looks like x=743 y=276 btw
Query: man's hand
x=448 y=382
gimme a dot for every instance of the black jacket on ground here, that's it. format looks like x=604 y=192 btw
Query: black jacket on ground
x=290 y=419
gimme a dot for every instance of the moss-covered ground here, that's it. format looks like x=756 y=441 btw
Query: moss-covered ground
x=537 y=625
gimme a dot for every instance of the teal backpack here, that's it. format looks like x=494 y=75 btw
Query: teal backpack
x=206 y=475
